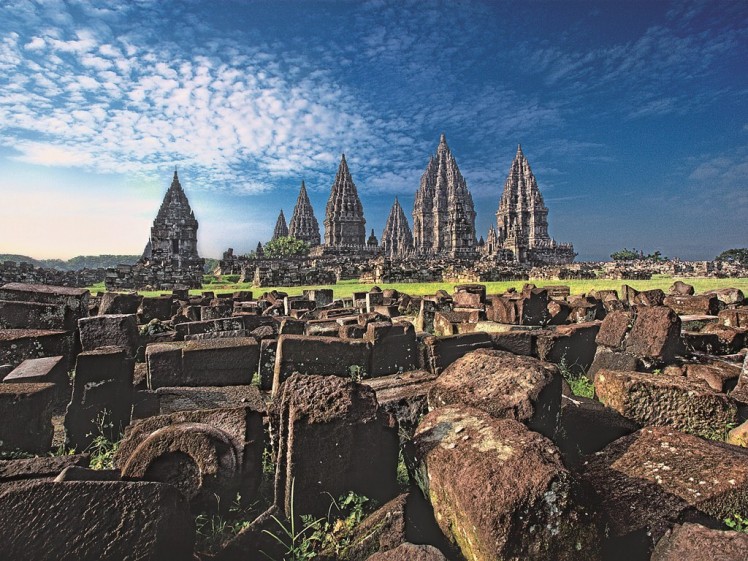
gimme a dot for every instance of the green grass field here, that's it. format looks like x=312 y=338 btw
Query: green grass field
x=347 y=288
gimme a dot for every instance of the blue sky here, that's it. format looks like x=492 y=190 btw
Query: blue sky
x=633 y=115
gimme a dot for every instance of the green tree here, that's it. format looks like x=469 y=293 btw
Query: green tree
x=734 y=255
x=286 y=247
x=625 y=255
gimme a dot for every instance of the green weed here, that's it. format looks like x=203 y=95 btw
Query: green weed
x=579 y=383
x=102 y=449
x=737 y=523
x=213 y=530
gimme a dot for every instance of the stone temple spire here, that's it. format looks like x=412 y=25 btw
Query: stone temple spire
x=304 y=225
x=281 y=230
x=397 y=239
x=344 y=216
x=174 y=233
x=443 y=213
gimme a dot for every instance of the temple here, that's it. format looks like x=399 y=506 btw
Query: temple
x=345 y=225
x=443 y=214
x=281 y=230
x=304 y=225
x=397 y=239
x=522 y=221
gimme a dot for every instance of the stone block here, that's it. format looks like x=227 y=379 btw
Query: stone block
x=220 y=362
x=613 y=330
x=658 y=475
x=680 y=288
x=50 y=370
x=119 y=303
x=101 y=401
x=608 y=359
x=114 y=330
x=327 y=356
x=532 y=308
x=694 y=542
x=322 y=296
x=210 y=455
x=404 y=395
x=17 y=345
x=443 y=351
x=393 y=348
x=183 y=398
x=332 y=438
x=503 y=385
x=517 y=342
x=158 y=307
x=42 y=467
x=374 y=299
x=409 y=552
x=572 y=345
x=107 y=521
x=727 y=296
x=164 y=362
x=452 y=323
x=31 y=315
x=532 y=511
x=26 y=417
x=737 y=317
x=654 y=297
x=655 y=334
x=268 y=350
x=693 y=305
x=722 y=376
x=663 y=400
x=71 y=303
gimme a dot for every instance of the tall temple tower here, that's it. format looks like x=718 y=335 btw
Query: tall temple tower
x=443 y=214
x=344 y=216
x=174 y=233
x=304 y=225
x=522 y=219
x=281 y=230
x=397 y=239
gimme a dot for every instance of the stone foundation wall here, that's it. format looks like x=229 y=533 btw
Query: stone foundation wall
x=11 y=271
x=152 y=277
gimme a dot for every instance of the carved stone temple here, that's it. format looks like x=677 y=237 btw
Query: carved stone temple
x=304 y=225
x=170 y=259
x=345 y=225
x=522 y=221
x=281 y=229
x=443 y=214
x=397 y=239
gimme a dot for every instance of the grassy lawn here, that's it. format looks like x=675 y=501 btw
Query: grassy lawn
x=347 y=288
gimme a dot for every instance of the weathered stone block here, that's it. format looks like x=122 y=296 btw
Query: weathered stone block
x=26 y=417
x=115 y=330
x=649 y=479
x=531 y=511
x=608 y=359
x=108 y=521
x=662 y=400
x=50 y=370
x=393 y=348
x=654 y=297
x=42 y=467
x=332 y=438
x=532 y=308
x=119 y=303
x=319 y=355
x=517 y=342
x=443 y=351
x=220 y=362
x=680 y=288
x=572 y=345
x=164 y=364
x=409 y=552
x=158 y=307
x=70 y=304
x=734 y=318
x=209 y=455
x=693 y=305
x=503 y=385
x=694 y=542
x=655 y=334
x=403 y=395
x=101 y=398
x=183 y=398
x=613 y=330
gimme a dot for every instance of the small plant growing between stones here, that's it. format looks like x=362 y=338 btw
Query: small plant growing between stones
x=102 y=449
x=357 y=372
x=737 y=523
x=213 y=530
x=579 y=383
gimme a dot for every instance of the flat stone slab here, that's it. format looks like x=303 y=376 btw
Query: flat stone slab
x=694 y=542
x=654 y=477
x=664 y=400
x=176 y=399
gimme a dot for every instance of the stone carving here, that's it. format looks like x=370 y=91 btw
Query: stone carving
x=304 y=225
x=397 y=239
x=344 y=215
x=443 y=214
x=281 y=230
x=522 y=220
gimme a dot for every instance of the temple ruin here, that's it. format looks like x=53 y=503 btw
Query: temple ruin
x=304 y=225
x=281 y=230
x=344 y=215
x=397 y=239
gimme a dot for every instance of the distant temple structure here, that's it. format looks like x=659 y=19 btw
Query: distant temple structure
x=281 y=230
x=304 y=225
x=397 y=239
x=522 y=221
x=345 y=225
x=170 y=259
x=443 y=214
